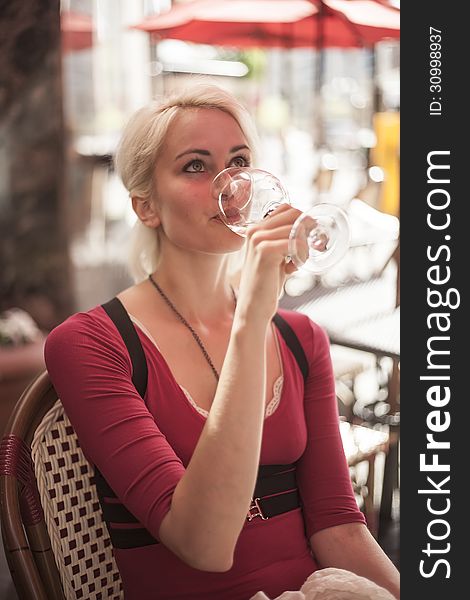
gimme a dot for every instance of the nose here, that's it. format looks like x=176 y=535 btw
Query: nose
x=219 y=183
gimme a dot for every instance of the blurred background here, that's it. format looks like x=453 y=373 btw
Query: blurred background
x=321 y=79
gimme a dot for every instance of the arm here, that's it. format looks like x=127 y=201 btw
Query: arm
x=335 y=526
x=352 y=547
x=210 y=503
x=323 y=473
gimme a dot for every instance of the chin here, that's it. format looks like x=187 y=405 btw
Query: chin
x=226 y=240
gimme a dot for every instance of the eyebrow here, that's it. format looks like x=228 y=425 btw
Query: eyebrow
x=207 y=153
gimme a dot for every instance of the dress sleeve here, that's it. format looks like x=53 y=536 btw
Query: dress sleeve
x=323 y=473
x=91 y=371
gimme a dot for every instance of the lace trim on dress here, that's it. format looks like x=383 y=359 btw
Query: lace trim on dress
x=277 y=392
x=270 y=408
x=277 y=386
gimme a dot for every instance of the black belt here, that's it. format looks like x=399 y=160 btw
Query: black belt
x=275 y=493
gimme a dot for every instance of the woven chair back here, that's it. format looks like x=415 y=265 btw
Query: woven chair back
x=74 y=559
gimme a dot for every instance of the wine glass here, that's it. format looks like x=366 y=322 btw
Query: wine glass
x=319 y=237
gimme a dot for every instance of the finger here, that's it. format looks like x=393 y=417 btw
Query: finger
x=289 y=218
x=285 y=217
x=282 y=207
x=282 y=212
x=290 y=268
x=276 y=250
x=278 y=233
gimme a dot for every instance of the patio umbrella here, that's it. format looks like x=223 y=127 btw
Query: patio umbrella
x=77 y=31
x=276 y=23
x=317 y=24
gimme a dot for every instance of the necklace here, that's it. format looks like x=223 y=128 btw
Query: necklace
x=187 y=325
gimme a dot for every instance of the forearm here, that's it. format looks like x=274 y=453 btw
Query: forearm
x=210 y=502
x=352 y=547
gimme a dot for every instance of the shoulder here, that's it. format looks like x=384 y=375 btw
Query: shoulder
x=82 y=323
x=83 y=331
x=310 y=334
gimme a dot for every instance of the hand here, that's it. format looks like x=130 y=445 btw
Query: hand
x=265 y=267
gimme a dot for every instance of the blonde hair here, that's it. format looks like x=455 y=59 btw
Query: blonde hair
x=140 y=145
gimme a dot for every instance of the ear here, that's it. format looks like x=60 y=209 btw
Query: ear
x=146 y=211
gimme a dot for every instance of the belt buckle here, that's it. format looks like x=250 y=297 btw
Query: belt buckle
x=254 y=506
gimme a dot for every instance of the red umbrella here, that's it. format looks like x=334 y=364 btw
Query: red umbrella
x=277 y=23
x=315 y=24
x=77 y=31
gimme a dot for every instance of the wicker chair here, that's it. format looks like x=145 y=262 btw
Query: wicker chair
x=56 y=542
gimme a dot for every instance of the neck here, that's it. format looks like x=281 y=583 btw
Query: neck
x=198 y=285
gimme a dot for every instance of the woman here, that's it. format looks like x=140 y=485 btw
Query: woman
x=224 y=393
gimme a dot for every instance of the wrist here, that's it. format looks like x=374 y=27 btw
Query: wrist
x=247 y=323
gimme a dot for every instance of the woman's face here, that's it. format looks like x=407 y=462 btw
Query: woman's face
x=198 y=145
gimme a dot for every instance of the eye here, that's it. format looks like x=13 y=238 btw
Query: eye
x=194 y=166
x=240 y=161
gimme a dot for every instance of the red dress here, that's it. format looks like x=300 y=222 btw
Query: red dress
x=142 y=450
